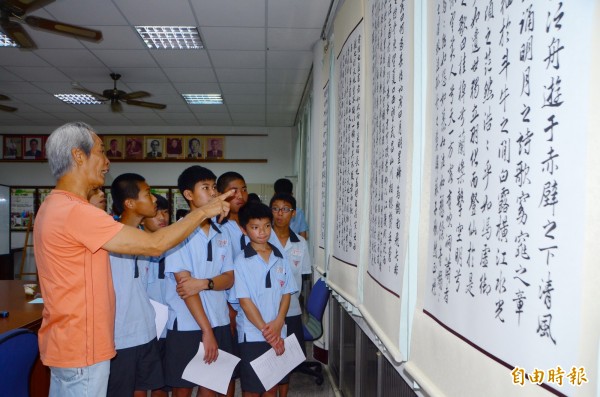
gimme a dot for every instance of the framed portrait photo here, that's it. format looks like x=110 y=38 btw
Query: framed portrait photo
x=33 y=147
x=154 y=147
x=174 y=147
x=194 y=147
x=13 y=147
x=215 y=147
x=134 y=149
x=113 y=145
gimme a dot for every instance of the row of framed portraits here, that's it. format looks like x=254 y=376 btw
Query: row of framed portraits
x=25 y=202
x=127 y=147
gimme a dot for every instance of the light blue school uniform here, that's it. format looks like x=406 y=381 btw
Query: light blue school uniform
x=264 y=283
x=296 y=252
x=156 y=285
x=238 y=239
x=204 y=257
x=134 y=319
x=298 y=223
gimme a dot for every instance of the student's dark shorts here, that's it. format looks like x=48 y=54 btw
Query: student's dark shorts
x=162 y=348
x=135 y=368
x=182 y=346
x=248 y=378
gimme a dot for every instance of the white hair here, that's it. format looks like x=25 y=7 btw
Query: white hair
x=62 y=140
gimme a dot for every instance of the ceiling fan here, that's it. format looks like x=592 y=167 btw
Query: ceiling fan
x=116 y=96
x=4 y=107
x=12 y=11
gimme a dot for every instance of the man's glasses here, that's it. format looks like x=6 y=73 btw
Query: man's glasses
x=285 y=210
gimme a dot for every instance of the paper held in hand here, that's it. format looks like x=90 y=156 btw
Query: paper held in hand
x=214 y=376
x=271 y=368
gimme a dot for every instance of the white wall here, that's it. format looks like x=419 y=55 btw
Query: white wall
x=277 y=148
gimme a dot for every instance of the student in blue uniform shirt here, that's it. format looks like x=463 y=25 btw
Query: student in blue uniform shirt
x=263 y=285
x=155 y=271
x=204 y=259
x=233 y=181
x=137 y=367
x=295 y=250
x=298 y=223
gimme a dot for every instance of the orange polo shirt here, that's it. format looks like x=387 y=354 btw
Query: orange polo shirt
x=75 y=278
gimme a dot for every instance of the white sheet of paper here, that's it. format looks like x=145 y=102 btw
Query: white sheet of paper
x=271 y=368
x=162 y=315
x=37 y=300
x=214 y=376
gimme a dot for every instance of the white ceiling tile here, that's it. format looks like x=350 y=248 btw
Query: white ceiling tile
x=285 y=89
x=117 y=38
x=249 y=13
x=247 y=116
x=181 y=58
x=134 y=116
x=239 y=59
x=178 y=108
x=67 y=57
x=289 y=59
x=287 y=76
x=168 y=116
x=6 y=75
x=260 y=109
x=125 y=58
x=226 y=75
x=297 y=14
x=242 y=99
x=208 y=109
x=191 y=75
x=85 y=12
x=157 y=12
x=16 y=57
x=58 y=108
x=9 y=87
x=38 y=74
x=292 y=39
x=197 y=88
x=141 y=75
x=87 y=74
x=154 y=88
x=242 y=88
x=217 y=38
x=249 y=123
x=213 y=116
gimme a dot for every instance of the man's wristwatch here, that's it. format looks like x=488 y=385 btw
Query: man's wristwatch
x=211 y=284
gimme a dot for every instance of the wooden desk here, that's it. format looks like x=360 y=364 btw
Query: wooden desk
x=23 y=314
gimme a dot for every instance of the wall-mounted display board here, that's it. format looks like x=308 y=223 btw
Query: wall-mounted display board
x=150 y=147
x=22 y=206
x=503 y=289
x=349 y=153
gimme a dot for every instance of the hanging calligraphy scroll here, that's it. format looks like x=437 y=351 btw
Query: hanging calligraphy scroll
x=507 y=169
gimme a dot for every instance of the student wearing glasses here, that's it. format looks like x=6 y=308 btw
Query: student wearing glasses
x=295 y=250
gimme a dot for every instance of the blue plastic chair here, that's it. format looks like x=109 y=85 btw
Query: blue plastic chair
x=313 y=328
x=18 y=351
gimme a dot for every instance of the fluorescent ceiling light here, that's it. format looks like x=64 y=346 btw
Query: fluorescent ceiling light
x=171 y=37
x=203 y=99
x=78 y=99
x=6 y=42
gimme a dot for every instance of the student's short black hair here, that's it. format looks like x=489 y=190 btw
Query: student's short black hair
x=192 y=175
x=161 y=202
x=283 y=185
x=125 y=186
x=283 y=197
x=253 y=197
x=227 y=178
x=254 y=210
